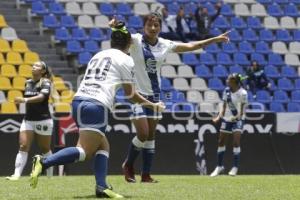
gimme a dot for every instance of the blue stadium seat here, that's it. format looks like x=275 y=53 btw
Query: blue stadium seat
x=289 y=72
x=221 y=22
x=123 y=9
x=215 y=31
x=273 y=85
x=48 y=1
x=50 y=21
x=203 y=71
x=254 y=22
x=229 y=47
x=238 y=23
x=283 y=35
x=236 y=69
x=250 y=35
x=189 y=7
x=275 y=59
x=62 y=34
x=207 y=58
x=165 y=1
x=235 y=36
x=262 y=47
x=177 y=96
x=281 y=1
x=263 y=96
x=297 y=84
x=107 y=9
x=295 y=96
x=188 y=107
x=190 y=59
x=265 y=1
x=84 y=58
x=220 y=71
x=296 y=35
x=67 y=21
x=240 y=59
x=210 y=7
x=293 y=107
x=79 y=34
x=166 y=84
x=266 y=35
x=296 y=2
x=280 y=96
x=250 y=96
x=173 y=8
x=226 y=10
x=212 y=48
x=246 y=47
x=274 y=10
x=277 y=107
x=135 y=22
x=291 y=10
x=39 y=8
x=216 y=84
x=259 y=58
x=271 y=71
x=73 y=47
x=97 y=34
x=56 y=8
x=91 y=46
x=285 y=84
x=224 y=59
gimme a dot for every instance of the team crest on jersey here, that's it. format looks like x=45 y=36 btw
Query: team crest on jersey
x=151 y=65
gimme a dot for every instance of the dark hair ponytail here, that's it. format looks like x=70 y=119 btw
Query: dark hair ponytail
x=120 y=36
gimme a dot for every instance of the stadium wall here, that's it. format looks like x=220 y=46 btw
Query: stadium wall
x=186 y=144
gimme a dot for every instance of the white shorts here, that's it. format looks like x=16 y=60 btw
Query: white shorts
x=43 y=127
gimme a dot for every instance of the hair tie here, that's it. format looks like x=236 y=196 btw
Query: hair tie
x=123 y=29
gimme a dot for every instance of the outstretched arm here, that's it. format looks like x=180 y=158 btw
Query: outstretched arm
x=191 y=46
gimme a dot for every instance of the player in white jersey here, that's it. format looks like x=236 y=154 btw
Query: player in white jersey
x=106 y=72
x=232 y=114
x=149 y=52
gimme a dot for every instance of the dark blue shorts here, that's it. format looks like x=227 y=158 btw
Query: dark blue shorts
x=90 y=114
x=139 y=111
x=230 y=127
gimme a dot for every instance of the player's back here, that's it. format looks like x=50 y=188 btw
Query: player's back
x=105 y=73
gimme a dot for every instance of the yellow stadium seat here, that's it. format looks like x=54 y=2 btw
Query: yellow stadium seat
x=2 y=59
x=62 y=107
x=4 y=46
x=25 y=71
x=8 y=71
x=12 y=94
x=8 y=108
x=19 y=83
x=14 y=58
x=5 y=83
x=20 y=46
x=2 y=22
x=59 y=83
x=67 y=96
x=31 y=57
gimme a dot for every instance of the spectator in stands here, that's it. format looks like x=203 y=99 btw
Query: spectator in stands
x=256 y=78
x=232 y=116
x=204 y=21
x=183 y=28
x=90 y=108
x=37 y=123
x=149 y=52
x=168 y=26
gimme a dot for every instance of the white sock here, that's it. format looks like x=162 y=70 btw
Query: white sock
x=49 y=171
x=21 y=160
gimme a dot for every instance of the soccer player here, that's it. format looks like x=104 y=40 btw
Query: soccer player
x=37 y=122
x=106 y=72
x=232 y=115
x=149 y=52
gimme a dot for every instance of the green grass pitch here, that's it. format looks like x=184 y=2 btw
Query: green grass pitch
x=169 y=187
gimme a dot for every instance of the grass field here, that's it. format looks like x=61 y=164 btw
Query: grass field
x=169 y=187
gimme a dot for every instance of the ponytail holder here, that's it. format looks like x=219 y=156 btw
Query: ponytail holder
x=123 y=29
x=242 y=77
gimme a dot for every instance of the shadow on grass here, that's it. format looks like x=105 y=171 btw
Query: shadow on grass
x=93 y=197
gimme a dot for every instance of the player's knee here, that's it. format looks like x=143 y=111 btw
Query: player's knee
x=143 y=136
x=83 y=154
x=24 y=147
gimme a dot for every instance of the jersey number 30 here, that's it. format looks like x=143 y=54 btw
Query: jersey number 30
x=99 y=69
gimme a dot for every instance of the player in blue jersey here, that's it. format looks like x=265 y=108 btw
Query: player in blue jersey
x=232 y=115
x=149 y=52
x=106 y=72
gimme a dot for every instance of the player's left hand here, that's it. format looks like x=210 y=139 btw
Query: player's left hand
x=223 y=37
x=160 y=106
x=19 y=100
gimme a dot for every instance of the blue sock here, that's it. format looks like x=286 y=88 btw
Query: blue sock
x=100 y=165
x=148 y=154
x=64 y=156
x=134 y=150
x=236 y=156
x=221 y=151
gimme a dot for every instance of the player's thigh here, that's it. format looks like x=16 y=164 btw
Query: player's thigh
x=152 y=122
x=237 y=138
x=44 y=142
x=223 y=137
x=142 y=127
x=25 y=139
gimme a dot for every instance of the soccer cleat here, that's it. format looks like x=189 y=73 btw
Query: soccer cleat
x=146 y=178
x=12 y=178
x=128 y=172
x=233 y=171
x=218 y=170
x=107 y=193
x=37 y=168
